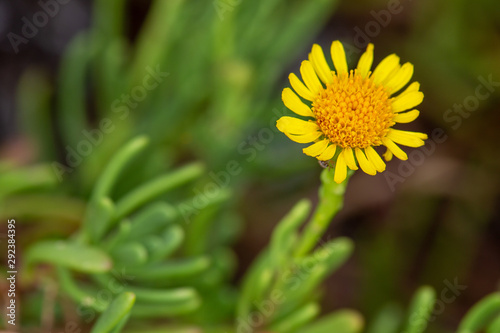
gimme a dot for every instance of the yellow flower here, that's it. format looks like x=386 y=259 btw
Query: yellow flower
x=352 y=111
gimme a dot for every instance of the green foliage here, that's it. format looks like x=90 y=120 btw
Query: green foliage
x=420 y=310
x=134 y=247
x=128 y=230
x=346 y=321
x=116 y=315
x=281 y=286
x=83 y=258
x=485 y=314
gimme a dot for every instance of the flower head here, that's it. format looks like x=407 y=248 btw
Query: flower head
x=350 y=112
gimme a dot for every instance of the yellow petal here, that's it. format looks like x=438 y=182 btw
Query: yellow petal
x=410 y=139
x=420 y=135
x=407 y=101
x=349 y=158
x=398 y=152
x=310 y=78
x=340 y=170
x=365 y=165
x=365 y=62
x=414 y=86
x=316 y=149
x=406 y=117
x=338 y=57
x=293 y=102
x=400 y=78
x=375 y=159
x=392 y=73
x=304 y=138
x=317 y=59
x=300 y=88
x=408 y=135
x=328 y=153
x=296 y=126
x=386 y=66
x=388 y=155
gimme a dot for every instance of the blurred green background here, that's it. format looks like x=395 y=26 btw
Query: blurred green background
x=203 y=80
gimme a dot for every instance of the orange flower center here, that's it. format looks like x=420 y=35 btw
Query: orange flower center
x=353 y=111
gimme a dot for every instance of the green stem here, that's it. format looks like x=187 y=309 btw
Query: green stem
x=331 y=199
